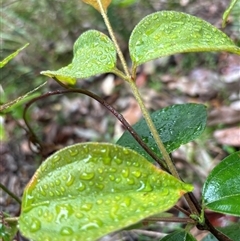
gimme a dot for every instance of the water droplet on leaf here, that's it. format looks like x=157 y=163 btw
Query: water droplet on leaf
x=66 y=231
x=35 y=225
x=87 y=175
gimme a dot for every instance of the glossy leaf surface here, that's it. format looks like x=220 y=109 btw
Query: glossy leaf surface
x=176 y=125
x=94 y=53
x=8 y=232
x=181 y=235
x=221 y=191
x=87 y=190
x=169 y=32
x=11 y=56
x=232 y=231
x=95 y=4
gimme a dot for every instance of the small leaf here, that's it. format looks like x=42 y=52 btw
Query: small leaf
x=87 y=190
x=181 y=235
x=9 y=106
x=7 y=229
x=94 y=53
x=227 y=12
x=168 y=32
x=94 y=3
x=221 y=191
x=11 y=56
x=176 y=125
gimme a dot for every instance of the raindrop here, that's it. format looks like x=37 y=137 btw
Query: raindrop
x=165 y=192
x=81 y=187
x=70 y=180
x=126 y=202
x=117 y=198
x=129 y=163
x=111 y=177
x=86 y=206
x=58 y=193
x=136 y=164
x=56 y=158
x=125 y=151
x=100 y=178
x=100 y=170
x=73 y=152
x=107 y=161
x=113 y=211
x=63 y=212
x=136 y=173
x=42 y=191
x=118 y=180
x=89 y=226
x=130 y=181
x=125 y=172
x=91 y=183
x=100 y=186
x=51 y=194
x=44 y=167
x=118 y=161
x=87 y=175
x=99 y=201
x=57 y=182
x=40 y=212
x=35 y=225
x=62 y=189
x=66 y=231
x=112 y=169
x=79 y=215
x=45 y=186
x=145 y=187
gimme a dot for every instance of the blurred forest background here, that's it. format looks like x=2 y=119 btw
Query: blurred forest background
x=51 y=28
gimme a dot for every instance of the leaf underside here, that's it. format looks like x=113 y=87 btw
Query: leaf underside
x=87 y=190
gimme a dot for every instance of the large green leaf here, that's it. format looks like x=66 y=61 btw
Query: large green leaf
x=221 y=191
x=176 y=125
x=168 y=32
x=94 y=53
x=87 y=190
x=181 y=235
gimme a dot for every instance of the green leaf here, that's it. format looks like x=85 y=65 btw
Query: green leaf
x=11 y=56
x=168 y=32
x=94 y=53
x=176 y=125
x=9 y=106
x=221 y=191
x=227 y=12
x=8 y=229
x=232 y=231
x=87 y=190
x=181 y=235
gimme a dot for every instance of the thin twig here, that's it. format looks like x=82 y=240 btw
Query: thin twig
x=171 y=219
x=17 y=199
x=107 y=106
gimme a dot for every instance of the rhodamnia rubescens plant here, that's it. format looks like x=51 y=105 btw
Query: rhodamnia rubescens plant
x=85 y=191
